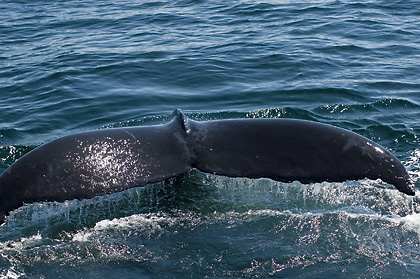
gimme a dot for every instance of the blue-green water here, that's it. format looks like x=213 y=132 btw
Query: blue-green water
x=71 y=66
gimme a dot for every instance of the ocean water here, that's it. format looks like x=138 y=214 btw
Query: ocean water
x=72 y=66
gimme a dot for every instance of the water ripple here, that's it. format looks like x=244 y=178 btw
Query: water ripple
x=71 y=66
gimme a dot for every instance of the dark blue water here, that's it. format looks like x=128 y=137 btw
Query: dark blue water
x=71 y=66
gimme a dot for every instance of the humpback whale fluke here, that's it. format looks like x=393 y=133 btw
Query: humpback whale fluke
x=110 y=160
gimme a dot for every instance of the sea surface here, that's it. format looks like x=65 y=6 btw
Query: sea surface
x=72 y=66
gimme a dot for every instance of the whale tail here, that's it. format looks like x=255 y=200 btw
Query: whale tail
x=293 y=150
x=95 y=163
x=110 y=160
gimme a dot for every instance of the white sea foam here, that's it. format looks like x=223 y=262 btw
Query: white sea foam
x=12 y=273
x=409 y=222
x=82 y=236
x=133 y=221
x=22 y=243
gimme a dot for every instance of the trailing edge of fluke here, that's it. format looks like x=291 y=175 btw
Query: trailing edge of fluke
x=105 y=161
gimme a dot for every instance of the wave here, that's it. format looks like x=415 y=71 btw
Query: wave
x=291 y=241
